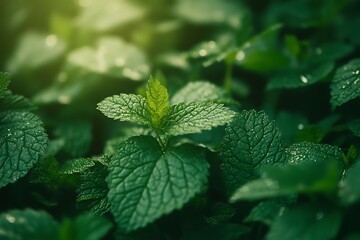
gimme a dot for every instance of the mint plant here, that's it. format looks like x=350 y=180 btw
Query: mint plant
x=249 y=128
x=147 y=176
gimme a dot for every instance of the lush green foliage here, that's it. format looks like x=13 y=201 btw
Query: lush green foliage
x=181 y=119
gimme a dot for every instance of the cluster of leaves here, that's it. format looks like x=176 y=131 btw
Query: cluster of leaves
x=249 y=128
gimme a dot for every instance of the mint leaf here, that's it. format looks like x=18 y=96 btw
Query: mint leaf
x=76 y=165
x=200 y=91
x=146 y=182
x=35 y=50
x=126 y=107
x=251 y=141
x=4 y=82
x=349 y=191
x=27 y=224
x=22 y=142
x=355 y=127
x=304 y=177
x=108 y=15
x=113 y=57
x=301 y=77
x=85 y=226
x=309 y=222
x=346 y=82
x=210 y=12
x=312 y=152
x=157 y=101
x=15 y=102
x=92 y=191
x=265 y=212
x=194 y=117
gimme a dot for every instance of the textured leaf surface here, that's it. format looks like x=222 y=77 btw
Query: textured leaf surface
x=4 y=82
x=194 y=117
x=92 y=191
x=76 y=165
x=157 y=100
x=312 y=152
x=113 y=57
x=22 y=142
x=346 y=83
x=350 y=186
x=306 y=223
x=15 y=102
x=126 y=107
x=27 y=224
x=251 y=141
x=146 y=183
x=200 y=91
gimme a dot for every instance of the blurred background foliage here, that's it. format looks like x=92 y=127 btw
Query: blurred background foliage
x=275 y=55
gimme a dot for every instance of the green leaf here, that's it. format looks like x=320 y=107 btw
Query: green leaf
x=200 y=91
x=194 y=117
x=146 y=183
x=85 y=226
x=210 y=12
x=307 y=222
x=312 y=152
x=76 y=165
x=92 y=191
x=15 y=102
x=113 y=57
x=108 y=14
x=4 y=82
x=349 y=191
x=157 y=101
x=265 y=212
x=27 y=224
x=304 y=177
x=301 y=77
x=346 y=82
x=223 y=231
x=355 y=127
x=251 y=141
x=126 y=107
x=22 y=142
x=35 y=50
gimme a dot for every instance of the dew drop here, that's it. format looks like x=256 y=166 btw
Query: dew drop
x=357 y=81
x=356 y=72
x=64 y=99
x=211 y=44
x=304 y=79
x=318 y=51
x=240 y=56
x=9 y=218
x=300 y=126
x=202 y=52
x=319 y=215
x=51 y=40
x=120 y=62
